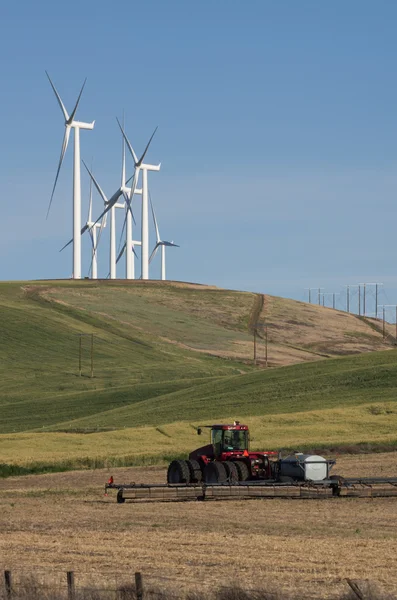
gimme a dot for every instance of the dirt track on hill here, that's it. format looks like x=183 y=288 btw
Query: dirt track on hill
x=53 y=523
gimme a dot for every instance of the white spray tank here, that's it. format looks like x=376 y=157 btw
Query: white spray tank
x=305 y=467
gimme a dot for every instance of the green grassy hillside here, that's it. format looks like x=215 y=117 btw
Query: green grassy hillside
x=168 y=356
x=39 y=363
x=346 y=382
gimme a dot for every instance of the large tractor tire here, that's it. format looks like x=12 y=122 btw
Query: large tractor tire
x=231 y=471
x=242 y=470
x=215 y=472
x=196 y=474
x=120 y=499
x=178 y=472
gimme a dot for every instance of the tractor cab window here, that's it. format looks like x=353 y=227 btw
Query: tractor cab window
x=228 y=440
x=217 y=435
x=235 y=440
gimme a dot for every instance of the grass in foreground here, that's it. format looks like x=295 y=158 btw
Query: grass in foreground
x=34 y=590
x=51 y=522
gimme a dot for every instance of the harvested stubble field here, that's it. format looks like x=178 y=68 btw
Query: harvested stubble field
x=53 y=523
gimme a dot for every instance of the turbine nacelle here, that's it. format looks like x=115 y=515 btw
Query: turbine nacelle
x=80 y=124
x=151 y=167
x=127 y=190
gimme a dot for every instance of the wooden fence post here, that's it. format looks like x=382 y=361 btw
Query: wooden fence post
x=356 y=590
x=8 y=584
x=71 y=588
x=138 y=586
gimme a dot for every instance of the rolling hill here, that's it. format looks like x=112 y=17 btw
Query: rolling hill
x=168 y=355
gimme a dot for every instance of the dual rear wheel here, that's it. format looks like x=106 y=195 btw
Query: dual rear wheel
x=184 y=471
x=189 y=471
x=226 y=472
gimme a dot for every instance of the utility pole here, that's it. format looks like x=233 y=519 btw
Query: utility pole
x=92 y=355
x=376 y=296
x=81 y=335
x=363 y=287
x=80 y=344
x=333 y=299
x=266 y=343
x=364 y=299
x=310 y=293
x=333 y=295
x=384 y=318
x=384 y=332
x=348 y=299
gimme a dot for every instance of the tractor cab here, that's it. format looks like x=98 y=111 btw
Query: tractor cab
x=225 y=458
x=228 y=438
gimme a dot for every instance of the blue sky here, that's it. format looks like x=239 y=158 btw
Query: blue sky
x=277 y=135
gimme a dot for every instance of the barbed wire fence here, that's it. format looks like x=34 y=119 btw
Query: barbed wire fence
x=38 y=584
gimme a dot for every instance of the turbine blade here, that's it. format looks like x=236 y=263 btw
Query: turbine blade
x=91 y=237
x=77 y=102
x=108 y=206
x=147 y=148
x=130 y=148
x=58 y=97
x=63 y=150
x=153 y=254
x=66 y=245
x=98 y=187
x=170 y=244
x=101 y=228
x=129 y=179
x=155 y=220
x=121 y=253
x=103 y=213
x=89 y=218
x=123 y=158
x=128 y=200
x=83 y=230
x=133 y=249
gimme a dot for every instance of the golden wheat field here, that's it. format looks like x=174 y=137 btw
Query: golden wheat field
x=59 y=522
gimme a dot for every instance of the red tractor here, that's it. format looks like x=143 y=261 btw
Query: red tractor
x=226 y=458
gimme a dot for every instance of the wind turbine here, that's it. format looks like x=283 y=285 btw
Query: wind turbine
x=93 y=235
x=109 y=204
x=76 y=125
x=140 y=165
x=129 y=244
x=133 y=244
x=159 y=242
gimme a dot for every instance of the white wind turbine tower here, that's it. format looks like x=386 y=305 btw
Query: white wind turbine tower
x=133 y=244
x=93 y=227
x=128 y=246
x=109 y=204
x=140 y=165
x=76 y=125
x=160 y=243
